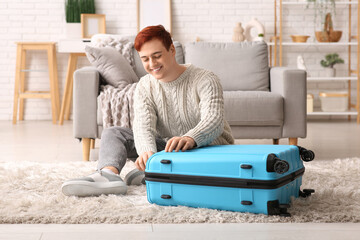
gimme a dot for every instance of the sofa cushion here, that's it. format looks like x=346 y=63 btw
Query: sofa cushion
x=139 y=68
x=240 y=66
x=253 y=108
x=112 y=66
x=179 y=56
x=261 y=108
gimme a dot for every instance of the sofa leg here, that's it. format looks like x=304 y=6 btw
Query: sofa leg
x=276 y=141
x=293 y=141
x=86 y=148
x=92 y=143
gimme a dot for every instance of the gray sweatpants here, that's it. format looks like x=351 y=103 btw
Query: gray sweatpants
x=117 y=144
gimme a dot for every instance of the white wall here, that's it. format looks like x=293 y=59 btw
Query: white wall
x=210 y=20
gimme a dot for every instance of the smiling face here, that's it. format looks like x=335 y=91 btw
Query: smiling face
x=158 y=61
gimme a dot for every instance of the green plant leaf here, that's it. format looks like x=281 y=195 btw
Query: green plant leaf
x=74 y=9
x=331 y=59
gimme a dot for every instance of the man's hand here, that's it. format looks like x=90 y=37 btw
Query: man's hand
x=177 y=143
x=142 y=159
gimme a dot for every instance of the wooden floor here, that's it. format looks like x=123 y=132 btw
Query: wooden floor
x=248 y=231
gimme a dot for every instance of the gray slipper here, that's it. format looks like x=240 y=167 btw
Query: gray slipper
x=95 y=184
x=135 y=177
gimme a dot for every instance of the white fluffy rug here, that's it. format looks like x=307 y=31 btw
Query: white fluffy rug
x=30 y=193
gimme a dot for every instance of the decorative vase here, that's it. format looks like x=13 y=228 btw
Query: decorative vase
x=254 y=23
x=330 y=72
x=238 y=35
x=73 y=30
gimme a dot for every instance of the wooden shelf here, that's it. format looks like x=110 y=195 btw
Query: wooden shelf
x=319 y=44
x=320 y=113
x=305 y=3
x=314 y=44
x=331 y=78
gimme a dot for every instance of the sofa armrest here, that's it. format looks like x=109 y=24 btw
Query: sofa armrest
x=86 y=90
x=291 y=84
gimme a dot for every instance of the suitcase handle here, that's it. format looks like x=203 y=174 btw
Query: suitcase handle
x=165 y=196
x=165 y=161
x=248 y=203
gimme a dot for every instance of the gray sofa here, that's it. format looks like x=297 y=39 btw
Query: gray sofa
x=260 y=102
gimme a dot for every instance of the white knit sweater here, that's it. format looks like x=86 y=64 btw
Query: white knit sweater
x=192 y=105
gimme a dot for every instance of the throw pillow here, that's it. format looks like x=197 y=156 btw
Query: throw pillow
x=112 y=66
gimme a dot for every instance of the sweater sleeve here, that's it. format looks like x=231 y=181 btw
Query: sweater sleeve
x=145 y=118
x=211 y=105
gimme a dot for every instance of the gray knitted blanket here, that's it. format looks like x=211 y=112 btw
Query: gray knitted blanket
x=117 y=104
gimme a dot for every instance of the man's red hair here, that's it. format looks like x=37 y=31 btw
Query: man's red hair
x=153 y=32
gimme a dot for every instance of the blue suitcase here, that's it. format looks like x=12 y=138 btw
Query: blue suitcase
x=244 y=178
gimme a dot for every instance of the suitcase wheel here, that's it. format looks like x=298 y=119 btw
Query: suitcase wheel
x=285 y=214
x=306 y=155
x=275 y=208
x=281 y=166
x=306 y=192
x=284 y=205
x=274 y=164
x=283 y=210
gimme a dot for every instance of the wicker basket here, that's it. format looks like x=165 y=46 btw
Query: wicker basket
x=328 y=34
x=333 y=36
x=322 y=36
x=299 y=38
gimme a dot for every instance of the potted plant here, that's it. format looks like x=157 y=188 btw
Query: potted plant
x=260 y=37
x=329 y=62
x=73 y=11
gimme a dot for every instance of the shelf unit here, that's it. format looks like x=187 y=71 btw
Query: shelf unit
x=276 y=45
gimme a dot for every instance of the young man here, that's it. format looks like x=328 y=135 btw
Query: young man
x=177 y=107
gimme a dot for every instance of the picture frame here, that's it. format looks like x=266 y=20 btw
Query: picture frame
x=154 y=12
x=92 y=24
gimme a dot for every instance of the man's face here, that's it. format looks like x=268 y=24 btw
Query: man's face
x=156 y=59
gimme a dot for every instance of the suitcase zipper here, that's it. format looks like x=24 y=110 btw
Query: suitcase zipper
x=222 y=181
